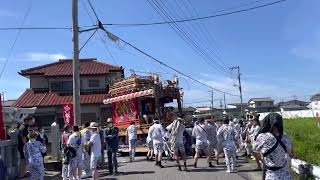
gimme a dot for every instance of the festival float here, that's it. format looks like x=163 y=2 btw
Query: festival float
x=141 y=99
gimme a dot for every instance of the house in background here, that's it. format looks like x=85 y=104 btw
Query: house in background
x=51 y=87
x=315 y=102
x=293 y=105
x=237 y=106
x=261 y=104
x=8 y=103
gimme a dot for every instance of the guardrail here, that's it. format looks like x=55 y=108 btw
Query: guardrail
x=304 y=169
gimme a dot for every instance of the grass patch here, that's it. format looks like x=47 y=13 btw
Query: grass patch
x=305 y=136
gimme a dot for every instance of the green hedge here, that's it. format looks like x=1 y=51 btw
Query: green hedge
x=305 y=136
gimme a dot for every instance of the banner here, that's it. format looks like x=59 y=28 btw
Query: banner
x=2 y=131
x=68 y=114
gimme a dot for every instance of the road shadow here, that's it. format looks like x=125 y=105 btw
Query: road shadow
x=136 y=172
x=249 y=170
x=137 y=160
x=205 y=170
x=109 y=178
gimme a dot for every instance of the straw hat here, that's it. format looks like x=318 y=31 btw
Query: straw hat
x=109 y=120
x=94 y=125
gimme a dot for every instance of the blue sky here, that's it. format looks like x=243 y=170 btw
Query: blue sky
x=277 y=47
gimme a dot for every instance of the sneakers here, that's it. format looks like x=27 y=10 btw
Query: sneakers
x=228 y=171
x=210 y=165
x=179 y=168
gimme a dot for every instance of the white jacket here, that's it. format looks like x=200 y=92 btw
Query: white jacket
x=156 y=133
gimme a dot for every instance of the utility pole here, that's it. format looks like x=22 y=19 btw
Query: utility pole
x=76 y=64
x=224 y=99
x=240 y=87
x=211 y=104
x=221 y=104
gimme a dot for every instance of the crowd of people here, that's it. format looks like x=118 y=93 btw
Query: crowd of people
x=83 y=147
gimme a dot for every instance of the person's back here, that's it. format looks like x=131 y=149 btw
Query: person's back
x=177 y=129
x=212 y=132
x=75 y=140
x=278 y=157
x=200 y=133
x=34 y=149
x=157 y=133
x=132 y=132
x=226 y=133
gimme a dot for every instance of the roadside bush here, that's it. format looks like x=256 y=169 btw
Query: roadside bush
x=305 y=136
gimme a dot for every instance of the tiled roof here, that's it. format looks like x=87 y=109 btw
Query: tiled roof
x=31 y=99
x=63 y=67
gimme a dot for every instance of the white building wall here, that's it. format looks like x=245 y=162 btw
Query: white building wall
x=293 y=114
x=315 y=105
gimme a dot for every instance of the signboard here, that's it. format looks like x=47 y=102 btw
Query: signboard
x=68 y=114
x=2 y=131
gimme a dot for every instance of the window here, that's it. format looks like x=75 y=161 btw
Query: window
x=56 y=85
x=61 y=86
x=94 y=83
x=67 y=85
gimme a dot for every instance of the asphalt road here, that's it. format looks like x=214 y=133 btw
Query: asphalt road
x=143 y=170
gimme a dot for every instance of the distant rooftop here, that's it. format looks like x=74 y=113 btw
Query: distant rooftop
x=315 y=97
x=264 y=99
x=8 y=103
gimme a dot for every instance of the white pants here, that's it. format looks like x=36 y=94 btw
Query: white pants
x=132 y=148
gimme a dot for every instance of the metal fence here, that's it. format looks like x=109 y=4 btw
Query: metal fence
x=305 y=169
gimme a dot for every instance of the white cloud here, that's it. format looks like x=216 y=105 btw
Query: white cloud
x=36 y=56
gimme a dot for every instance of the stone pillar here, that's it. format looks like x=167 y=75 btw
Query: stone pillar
x=55 y=141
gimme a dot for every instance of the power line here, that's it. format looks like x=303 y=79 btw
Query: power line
x=107 y=50
x=91 y=6
x=35 y=28
x=200 y=30
x=184 y=34
x=196 y=18
x=116 y=38
x=169 y=67
x=16 y=38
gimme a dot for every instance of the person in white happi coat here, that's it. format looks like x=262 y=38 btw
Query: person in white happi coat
x=255 y=128
x=227 y=137
x=132 y=140
x=275 y=147
x=177 y=129
x=212 y=138
x=76 y=163
x=156 y=133
x=86 y=135
x=200 y=133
